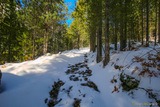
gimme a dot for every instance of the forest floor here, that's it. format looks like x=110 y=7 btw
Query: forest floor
x=74 y=79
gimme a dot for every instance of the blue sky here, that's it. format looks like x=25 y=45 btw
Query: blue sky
x=71 y=6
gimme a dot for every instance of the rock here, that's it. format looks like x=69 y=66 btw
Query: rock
x=85 y=79
x=73 y=78
x=46 y=100
x=128 y=82
x=84 y=95
x=54 y=93
x=76 y=102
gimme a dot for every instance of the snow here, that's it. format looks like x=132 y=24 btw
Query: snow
x=27 y=84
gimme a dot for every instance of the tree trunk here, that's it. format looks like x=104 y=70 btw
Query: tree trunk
x=125 y=25
x=122 y=28
x=99 y=44
x=9 y=48
x=99 y=35
x=78 y=40
x=159 y=23
x=115 y=33
x=45 y=44
x=106 y=57
x=33 y=45
x=92 y=40
x=155 y=33
x=93 y=26
x=142 y=22
x=147 y=23
x=121 y=37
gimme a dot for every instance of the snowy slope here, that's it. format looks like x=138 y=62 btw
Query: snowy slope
x=27 y=84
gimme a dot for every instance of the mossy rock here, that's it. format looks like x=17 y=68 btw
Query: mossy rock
x=54 y=93
x=128 y=82
x=76 y=102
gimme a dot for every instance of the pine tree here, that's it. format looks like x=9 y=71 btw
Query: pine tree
x=147 y=22
x=107 y=55
x=159 y=22
x=99 y=31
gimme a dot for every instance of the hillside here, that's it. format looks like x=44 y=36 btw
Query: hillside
x=73 y=78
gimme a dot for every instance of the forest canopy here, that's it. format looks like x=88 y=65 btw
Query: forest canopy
x=31 y=28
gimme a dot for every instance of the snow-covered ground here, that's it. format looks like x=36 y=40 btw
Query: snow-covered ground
x=28 y=84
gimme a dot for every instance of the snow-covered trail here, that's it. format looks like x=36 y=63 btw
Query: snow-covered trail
x=27 y=84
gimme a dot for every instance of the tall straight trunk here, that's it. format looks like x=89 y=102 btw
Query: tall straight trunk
x=129 y=36
x=122 y=29
x=78 y=40
x=99 y=34
x=155 y=38
x=11 y=32
x=58 y=42
x=33 y=45
x=55 y=48
x=115 y=34
x=142 y=22
x=121 y=37
x=9 y=48
x=138 y=33
x=125 y=25
x=91 y=43
x=92 y=26
x=122 y=32
x=159 y=23
x=92 y=40
x=132 y=30
x=147 y=23
x=106 y=57
x=45 y=44
x=99 y=44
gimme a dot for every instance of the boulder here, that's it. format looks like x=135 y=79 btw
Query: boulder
x=128 y=83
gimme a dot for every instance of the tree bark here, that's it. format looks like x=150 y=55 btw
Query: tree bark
x=142 y=22
x=33 y=45
x=45 y=44
x=106 y=57
x=125 y=25
x=159 y=23
x=99 y=35
x=122 y=29
x=92 y=40
x=93 y=26
x=115 y=33
x=147 y=23
x=99 y=44
x=78 y=40
x=155 y=33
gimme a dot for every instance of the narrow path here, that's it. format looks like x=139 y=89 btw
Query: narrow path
x=78 y=79
x=27 y=84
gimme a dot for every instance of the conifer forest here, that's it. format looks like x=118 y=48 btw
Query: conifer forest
x=80 y=53
x=31 y=28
